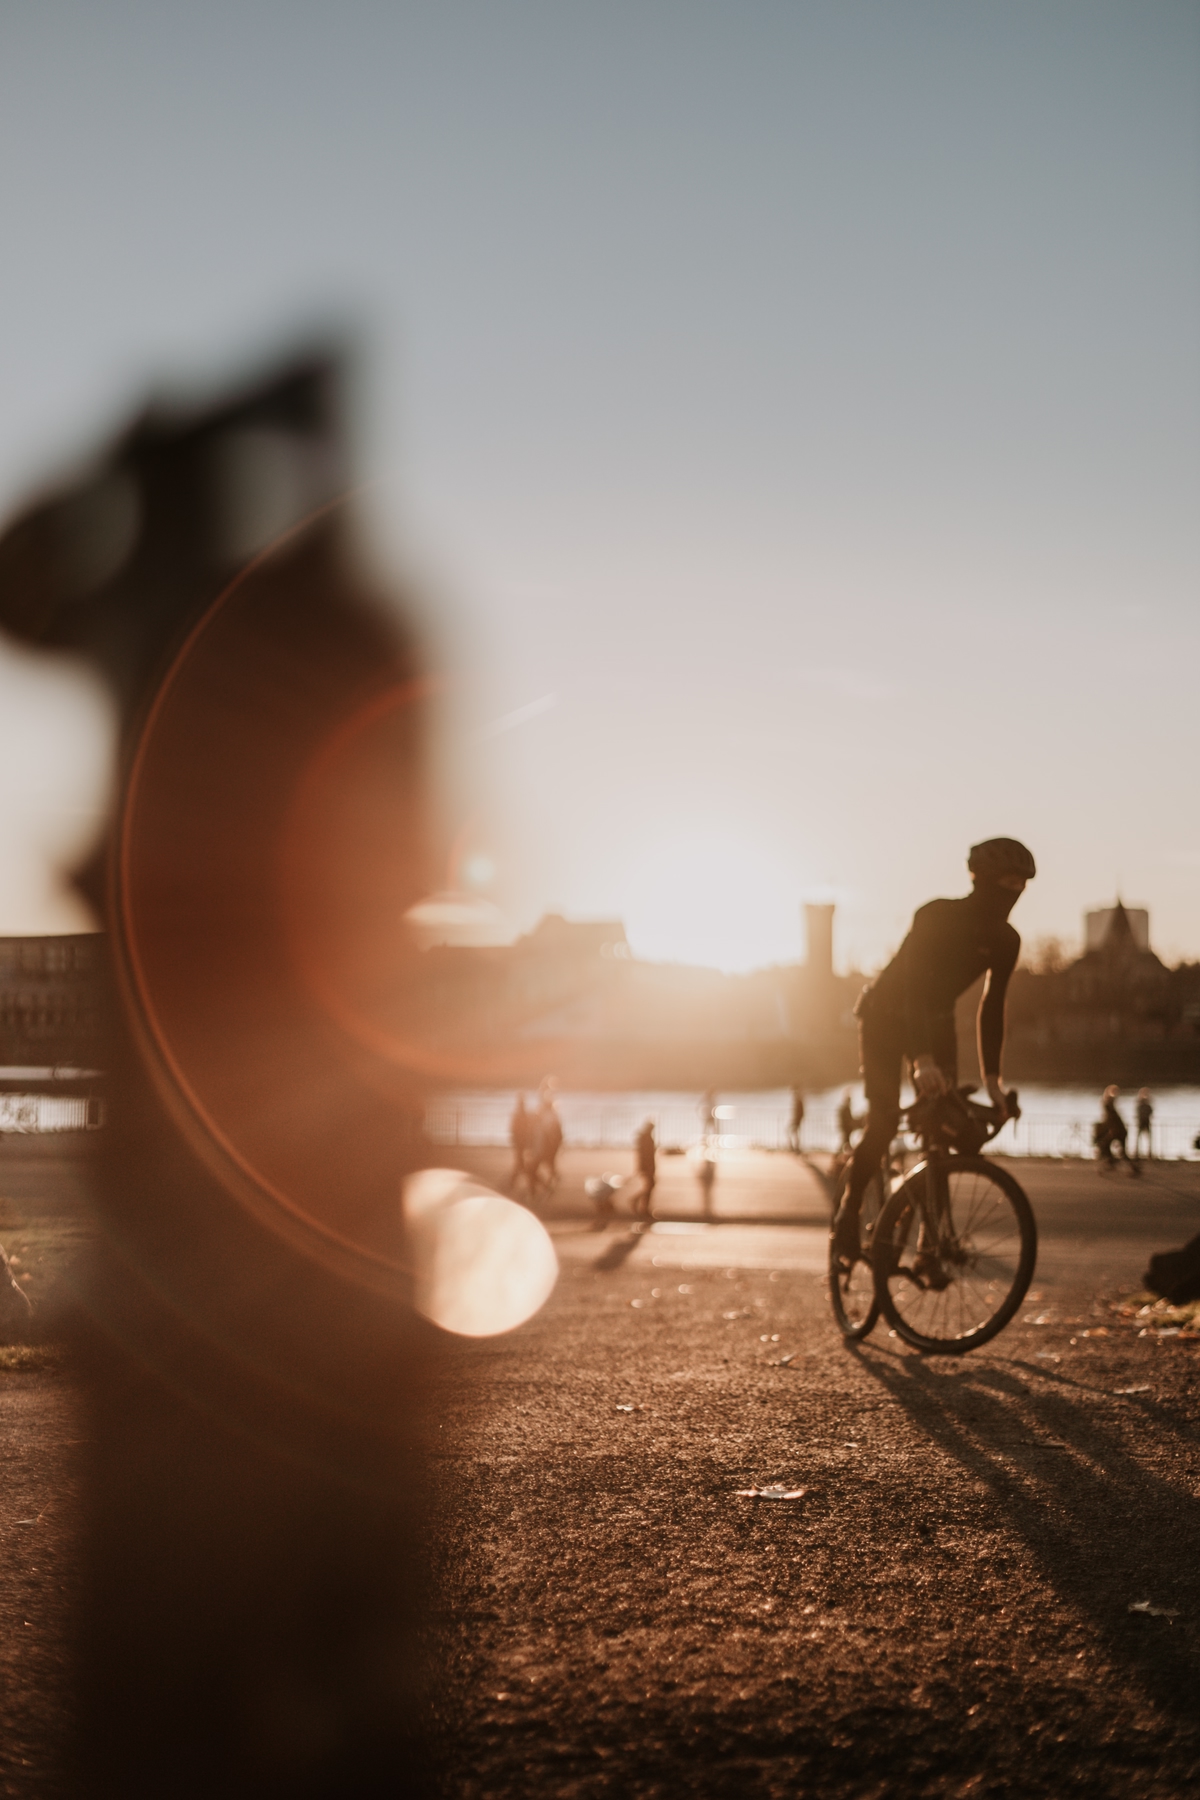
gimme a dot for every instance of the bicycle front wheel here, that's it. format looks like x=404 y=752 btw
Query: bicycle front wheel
x=852 y=1289
x=954 y=1254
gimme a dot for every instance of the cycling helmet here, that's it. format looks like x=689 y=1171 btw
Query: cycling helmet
x=1001 y=856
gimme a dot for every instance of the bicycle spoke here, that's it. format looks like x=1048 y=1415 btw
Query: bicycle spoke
x=959 y=1256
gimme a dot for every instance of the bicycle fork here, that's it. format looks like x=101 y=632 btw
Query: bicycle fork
x=934 y=1234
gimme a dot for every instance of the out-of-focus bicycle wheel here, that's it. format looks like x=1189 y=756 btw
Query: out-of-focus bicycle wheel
x=852 y=1287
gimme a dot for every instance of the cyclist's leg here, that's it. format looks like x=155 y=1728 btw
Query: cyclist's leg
x=882 y=1057
x=945 y=1052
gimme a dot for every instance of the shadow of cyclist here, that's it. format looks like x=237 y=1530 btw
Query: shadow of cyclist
x=1105 y=1529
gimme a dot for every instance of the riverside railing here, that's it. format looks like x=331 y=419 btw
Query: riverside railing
x=27 y=1115
x=609 y=1122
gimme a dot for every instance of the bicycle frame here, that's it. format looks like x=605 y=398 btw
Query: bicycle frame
x=931 y=1202
x=932 y=1197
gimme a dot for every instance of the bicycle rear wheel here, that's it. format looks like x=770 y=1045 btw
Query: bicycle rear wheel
x=955 y=1251
x=852 y=1290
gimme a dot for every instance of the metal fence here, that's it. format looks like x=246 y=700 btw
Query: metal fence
x=610 y=1122
x=26 y=1115
x=601 y=1122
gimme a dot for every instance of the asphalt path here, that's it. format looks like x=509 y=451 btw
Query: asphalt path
x=945 y=1609
x=39 y=1575
x=989 y=1584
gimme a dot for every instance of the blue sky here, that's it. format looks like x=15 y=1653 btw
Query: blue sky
x=802 y=402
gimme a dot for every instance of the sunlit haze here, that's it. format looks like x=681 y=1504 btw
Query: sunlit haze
x=791 y=412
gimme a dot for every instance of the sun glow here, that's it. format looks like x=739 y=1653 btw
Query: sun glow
x=714 y=898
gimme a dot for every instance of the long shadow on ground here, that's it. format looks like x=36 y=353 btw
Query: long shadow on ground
x=1106 y=1530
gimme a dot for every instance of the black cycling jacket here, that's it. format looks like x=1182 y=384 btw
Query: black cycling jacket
x=950 y=944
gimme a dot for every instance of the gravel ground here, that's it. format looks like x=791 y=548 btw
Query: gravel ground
x=947 y=1608
x=39 y=1498
x=42 y=1207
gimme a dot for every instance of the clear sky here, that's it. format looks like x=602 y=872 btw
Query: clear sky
x=794 y=409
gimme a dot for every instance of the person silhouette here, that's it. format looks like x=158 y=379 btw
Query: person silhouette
x=1111 y=1131
x=797 y=1119
x=908 y=1010
x=547 y=1142
x=522 y=1128
x=647 y=1164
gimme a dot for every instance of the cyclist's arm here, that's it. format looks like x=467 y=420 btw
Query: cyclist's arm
x=990 y=1022
x=920 y=980
x=925 y=949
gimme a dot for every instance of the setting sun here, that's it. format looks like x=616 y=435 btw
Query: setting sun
x=714 y=898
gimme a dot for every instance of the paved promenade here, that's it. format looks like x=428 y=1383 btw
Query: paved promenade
x=990 y=1584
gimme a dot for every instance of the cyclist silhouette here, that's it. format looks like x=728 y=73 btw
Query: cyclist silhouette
x=908 y=1010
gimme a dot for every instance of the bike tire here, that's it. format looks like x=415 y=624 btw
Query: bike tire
x=981 y=1268
x=852 y=1292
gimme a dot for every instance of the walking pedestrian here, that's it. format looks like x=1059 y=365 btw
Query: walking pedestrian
x=708 y=1114
x=706 y=1175
x=647 y=1164
x=548 y=1137
x=1110 y=1131
x=1145 y=1113
x=797 y=1119
x=521 y=1129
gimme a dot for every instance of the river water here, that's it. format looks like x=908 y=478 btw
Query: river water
x=1055 y=1121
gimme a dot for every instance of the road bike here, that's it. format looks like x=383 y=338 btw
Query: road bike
x=948 y=1256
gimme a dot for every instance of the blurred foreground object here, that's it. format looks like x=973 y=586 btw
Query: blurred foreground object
x=254 y=1360
x=481 y=1264
x=1175 y=1274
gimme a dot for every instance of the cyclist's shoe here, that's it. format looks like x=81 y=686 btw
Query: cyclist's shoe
x=847 y=1246
x=928 y=1269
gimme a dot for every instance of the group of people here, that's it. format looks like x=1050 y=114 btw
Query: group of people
x=1111 y=1136
x=536 y=1136
x=848 y=1122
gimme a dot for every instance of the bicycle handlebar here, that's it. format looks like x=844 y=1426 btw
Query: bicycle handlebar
x=955 y=1117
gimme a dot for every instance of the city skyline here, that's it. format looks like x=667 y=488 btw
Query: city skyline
x=455 y=918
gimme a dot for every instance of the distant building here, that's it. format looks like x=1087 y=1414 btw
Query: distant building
x=1115 y=1014
x=1098 y=924
x=51 y=1033
x=571 y=996
x=50 y=1007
